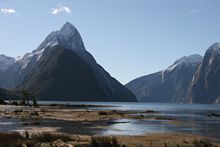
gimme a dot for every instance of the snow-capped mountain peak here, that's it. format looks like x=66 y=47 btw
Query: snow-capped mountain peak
x=214 y=48
x=187 y=60
x=67 y=37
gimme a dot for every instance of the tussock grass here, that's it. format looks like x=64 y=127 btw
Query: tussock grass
x=15 y=139
x=11 y=139
x=105 y=141
x=51 y=140
x=47 y=137
x=203 y=143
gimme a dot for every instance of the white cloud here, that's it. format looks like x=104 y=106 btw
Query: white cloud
x=202 y=2
x=194 y=11
x=59 y=10
x=8 y=11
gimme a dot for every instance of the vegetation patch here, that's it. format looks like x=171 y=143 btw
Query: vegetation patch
x=105 y=141
x=48 y=137
x=203 y=143
x=11 y=139
x=15 y=139
x=103 y=113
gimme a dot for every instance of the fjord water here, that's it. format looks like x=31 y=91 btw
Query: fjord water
x=138 y=106
x=189 y=118
x=176 y=118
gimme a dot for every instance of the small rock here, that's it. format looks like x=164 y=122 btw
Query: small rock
x=213 y=115
x=58 y=143
x=23 y=145
x=43 y=145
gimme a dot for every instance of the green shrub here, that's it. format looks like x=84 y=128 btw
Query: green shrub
x=2 y=102
x=15 y=103
x=102 y=113
x=18 y=110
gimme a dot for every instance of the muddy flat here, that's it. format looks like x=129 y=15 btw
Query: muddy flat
x=130 y=127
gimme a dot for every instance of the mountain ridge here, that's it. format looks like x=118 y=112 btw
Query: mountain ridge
x=191 y=79
x=65 y=39
x=169 y=85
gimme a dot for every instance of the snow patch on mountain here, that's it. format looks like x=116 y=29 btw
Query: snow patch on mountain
x=39 y=53
x=23 y=61
x=187 y=60
x=67 y=37
x=172 y=67
x=162 y=75
x=52 y=44
x=214 y=48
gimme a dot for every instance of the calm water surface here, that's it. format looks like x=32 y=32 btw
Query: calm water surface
x=189 y=118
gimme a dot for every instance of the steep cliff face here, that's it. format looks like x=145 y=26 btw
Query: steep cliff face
x=6 y=71
x=170 y=85
x=205 y=87
x=65 y=76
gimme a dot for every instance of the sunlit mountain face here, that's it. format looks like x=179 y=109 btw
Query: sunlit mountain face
x=191 y=79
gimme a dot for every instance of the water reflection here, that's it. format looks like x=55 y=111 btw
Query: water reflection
x=192 y=119
x=184 y=123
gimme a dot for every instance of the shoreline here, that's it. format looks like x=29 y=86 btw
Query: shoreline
x=80 y=120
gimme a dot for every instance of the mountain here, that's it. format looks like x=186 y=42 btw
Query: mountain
x=5 y=69
x=6 y=62
x=205 y=87
x=169 y=85
x=62 y=69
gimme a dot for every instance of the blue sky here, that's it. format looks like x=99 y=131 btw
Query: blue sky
x=129 y=38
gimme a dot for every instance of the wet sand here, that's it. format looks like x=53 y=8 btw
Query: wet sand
x=74 y=113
